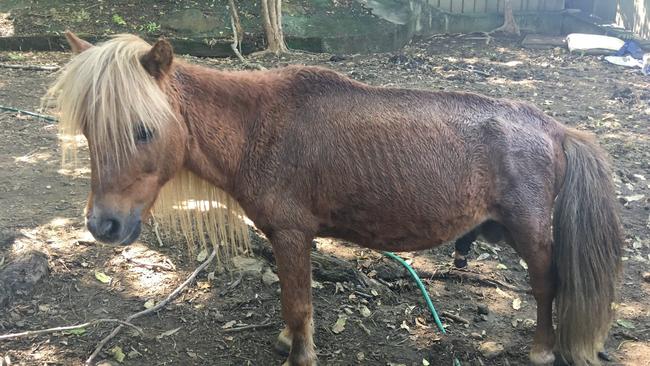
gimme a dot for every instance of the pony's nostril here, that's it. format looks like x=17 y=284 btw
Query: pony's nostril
x=109 y=227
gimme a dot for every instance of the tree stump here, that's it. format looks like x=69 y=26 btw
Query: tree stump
x=21 y=275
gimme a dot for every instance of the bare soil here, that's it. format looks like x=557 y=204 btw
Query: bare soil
x=42 y=209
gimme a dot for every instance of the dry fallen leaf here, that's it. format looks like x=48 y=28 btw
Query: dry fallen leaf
x=483 y=256
x=203 y=254
x=503 y=293
x=229 y=324
x=405 y=326
x=76 y=331
x=168 y=333
x=625 y=323
x=365 y=312
x=523 y=264
x=118 y=354
x=102 y=277
x=339 y=326
x=633 y=198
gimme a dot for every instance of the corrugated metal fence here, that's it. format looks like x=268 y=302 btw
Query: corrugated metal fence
x=495 y=6
x=634 y=15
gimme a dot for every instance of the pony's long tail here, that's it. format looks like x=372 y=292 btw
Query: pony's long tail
x=587 y=251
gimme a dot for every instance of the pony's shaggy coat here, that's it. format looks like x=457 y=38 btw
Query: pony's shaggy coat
x=308 y=152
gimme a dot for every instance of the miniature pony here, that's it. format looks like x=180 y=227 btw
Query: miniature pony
x=305 y=152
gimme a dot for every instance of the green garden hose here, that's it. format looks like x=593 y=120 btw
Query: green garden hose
x=421 y=286
x=42 y=116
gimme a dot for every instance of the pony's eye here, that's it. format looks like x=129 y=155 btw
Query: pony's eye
x=143 y=134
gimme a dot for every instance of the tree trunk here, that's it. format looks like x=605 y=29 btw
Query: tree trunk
x=272 y=19
x=237 y=36
x=509 y=25
x=237 y=31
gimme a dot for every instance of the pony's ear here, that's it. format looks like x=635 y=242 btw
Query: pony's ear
x=77 y=44
x=159 y=59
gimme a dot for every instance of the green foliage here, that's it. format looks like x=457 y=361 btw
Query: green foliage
x=76 y=331
x=13 y=56
x=81 y=16
x=117 y=19
x=150 y=27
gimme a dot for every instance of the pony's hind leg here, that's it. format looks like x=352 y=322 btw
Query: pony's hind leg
x=292 y=255
x=462 y=247
x=491 y=231
x=533 y=243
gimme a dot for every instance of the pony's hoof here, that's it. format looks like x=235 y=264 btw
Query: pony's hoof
x=460 y=262
x=283 y=345
x=603 y=355
x=539 y=358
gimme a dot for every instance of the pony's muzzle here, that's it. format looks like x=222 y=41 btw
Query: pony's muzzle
x=114 y=228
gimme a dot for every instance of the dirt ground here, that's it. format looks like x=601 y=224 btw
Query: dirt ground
x=41 y=208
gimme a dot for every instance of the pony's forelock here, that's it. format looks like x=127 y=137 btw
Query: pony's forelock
x=105 y=93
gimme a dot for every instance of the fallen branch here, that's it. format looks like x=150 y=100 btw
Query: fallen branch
x=153 y=309
x=454 y=317
x=247 y=327
x=31 y=67
x=452 y=273
x=167 y=266
x=67 y=328
x=155 y=230
x=473 y=277
x=232 y=285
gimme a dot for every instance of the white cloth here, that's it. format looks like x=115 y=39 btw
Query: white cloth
x=585 y=42
x=628 y=61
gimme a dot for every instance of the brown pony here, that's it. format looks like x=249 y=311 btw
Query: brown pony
x=307 y=152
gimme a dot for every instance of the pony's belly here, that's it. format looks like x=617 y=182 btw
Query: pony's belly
x=395 y=236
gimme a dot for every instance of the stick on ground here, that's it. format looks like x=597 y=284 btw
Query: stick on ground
x=266 y=324
x=31 y=67
x=157 y=307
x=67 y=328
x=454 y=317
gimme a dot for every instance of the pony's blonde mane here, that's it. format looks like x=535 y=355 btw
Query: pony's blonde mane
x=203 y=215
x=106 y=94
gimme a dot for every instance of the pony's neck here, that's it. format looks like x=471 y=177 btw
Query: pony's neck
x=218 y=108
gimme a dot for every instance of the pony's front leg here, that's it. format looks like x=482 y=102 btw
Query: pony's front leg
x=292 y=255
